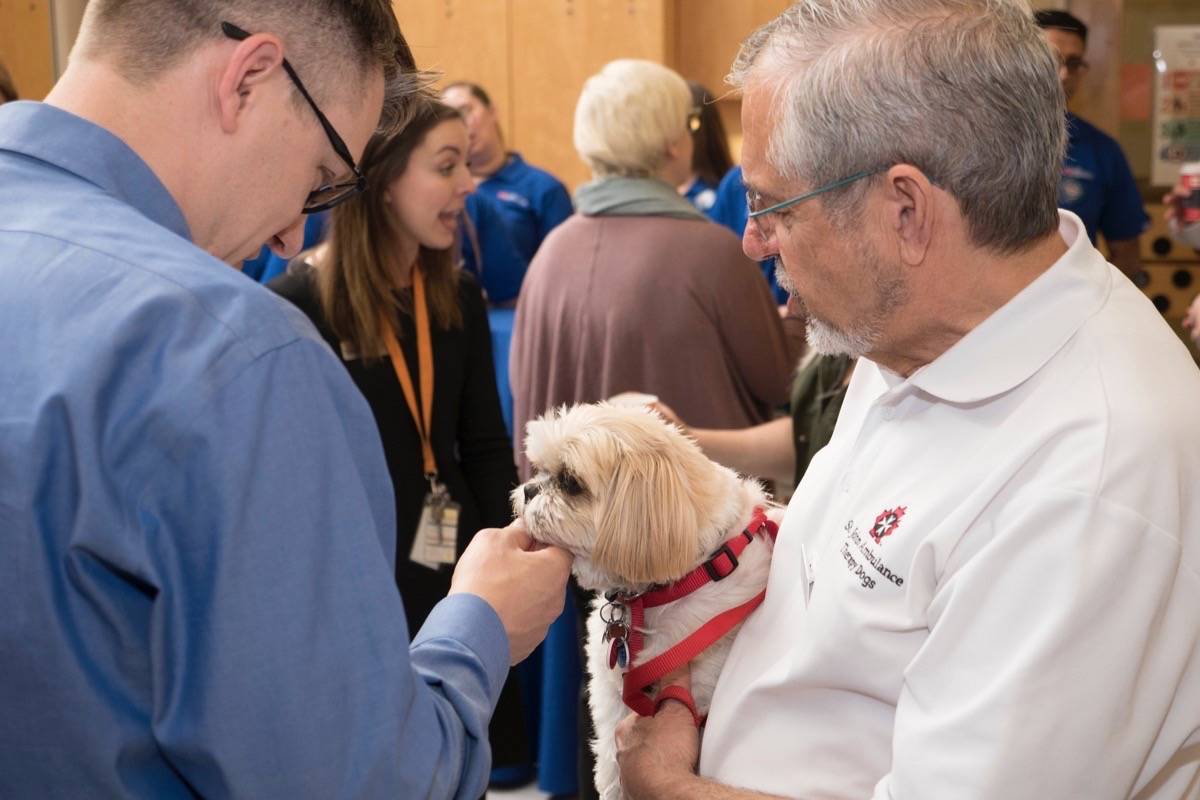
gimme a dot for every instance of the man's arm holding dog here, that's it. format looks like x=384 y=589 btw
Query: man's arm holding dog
x=658 y=756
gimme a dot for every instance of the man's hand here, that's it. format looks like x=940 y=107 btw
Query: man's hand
x=524 y=582
x=1191 y=320
x=1173 y=200
x=658 y=755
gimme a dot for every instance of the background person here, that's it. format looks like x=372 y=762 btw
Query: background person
x=639 y=291
x=1096 y=183
x=710 y=150
x=1008 y=496
x=175 y=624
x=8 y=89
x=401 y=227
x=532 y=200
x=1190 y=236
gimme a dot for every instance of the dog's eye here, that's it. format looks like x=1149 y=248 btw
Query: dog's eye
x=569 y=484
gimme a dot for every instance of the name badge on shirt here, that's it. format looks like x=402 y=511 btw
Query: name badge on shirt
x=807 y=574
x=436 y=541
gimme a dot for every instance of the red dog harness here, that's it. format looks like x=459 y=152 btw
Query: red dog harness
x=627 y=639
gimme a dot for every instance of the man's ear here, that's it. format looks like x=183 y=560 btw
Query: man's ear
x=251 y=65
x=910 y=211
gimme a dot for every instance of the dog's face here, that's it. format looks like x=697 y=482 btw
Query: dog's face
x=623 y=490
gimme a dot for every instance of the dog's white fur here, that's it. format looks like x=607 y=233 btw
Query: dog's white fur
x=639 y=505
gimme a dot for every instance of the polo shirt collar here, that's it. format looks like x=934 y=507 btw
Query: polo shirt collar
x=59 y=138
x=1020 y=337
x=513 y=164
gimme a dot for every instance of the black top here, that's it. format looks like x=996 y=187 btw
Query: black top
x=470 y=443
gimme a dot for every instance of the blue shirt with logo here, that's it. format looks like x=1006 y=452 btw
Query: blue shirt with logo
x=1098 y=185
x=532 y=201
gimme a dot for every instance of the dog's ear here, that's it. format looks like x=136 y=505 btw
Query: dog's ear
x=655 y=509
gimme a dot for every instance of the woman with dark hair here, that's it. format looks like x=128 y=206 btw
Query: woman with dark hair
x=412 y=330
x=8 y=89
x=710 y=150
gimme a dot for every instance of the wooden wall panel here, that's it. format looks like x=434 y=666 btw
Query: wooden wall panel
x=556 y=46
x=463 y=40
x=1099 y=98
x=27 y=46
x=710 y=32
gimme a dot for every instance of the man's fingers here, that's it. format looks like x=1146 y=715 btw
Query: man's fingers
x=516 y=534
x=625 y=732
x=555 y=555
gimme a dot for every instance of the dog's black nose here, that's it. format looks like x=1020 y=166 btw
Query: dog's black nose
x=531 y=491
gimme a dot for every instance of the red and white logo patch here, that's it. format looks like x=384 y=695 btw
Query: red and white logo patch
x=886 y=523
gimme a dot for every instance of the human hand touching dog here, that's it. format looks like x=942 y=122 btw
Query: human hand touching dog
x=525 y=582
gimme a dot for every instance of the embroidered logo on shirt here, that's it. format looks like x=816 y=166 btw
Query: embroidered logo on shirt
x=886 y=523
x=512 y=197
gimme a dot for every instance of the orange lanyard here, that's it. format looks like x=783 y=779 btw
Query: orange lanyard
x=424 y=416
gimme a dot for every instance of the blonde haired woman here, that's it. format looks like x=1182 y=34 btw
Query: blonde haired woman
x=639 y=291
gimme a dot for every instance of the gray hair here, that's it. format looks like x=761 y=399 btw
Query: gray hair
x=627 y=115
x=965 y=90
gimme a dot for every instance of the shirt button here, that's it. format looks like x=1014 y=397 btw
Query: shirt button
x=888 y=413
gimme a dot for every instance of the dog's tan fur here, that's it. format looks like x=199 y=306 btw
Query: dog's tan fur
x=639 y=505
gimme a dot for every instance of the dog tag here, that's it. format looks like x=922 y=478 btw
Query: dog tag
x=618 y=654
x=615 y=630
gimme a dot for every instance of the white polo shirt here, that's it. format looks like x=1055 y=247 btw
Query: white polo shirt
x=988 y=583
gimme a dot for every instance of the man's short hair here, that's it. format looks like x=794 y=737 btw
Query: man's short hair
x=627 y=114
x=477 y=91
x=965 y=90
x=1063 y=21
x=331 y=43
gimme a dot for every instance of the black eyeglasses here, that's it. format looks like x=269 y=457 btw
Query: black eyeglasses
x=328 y=196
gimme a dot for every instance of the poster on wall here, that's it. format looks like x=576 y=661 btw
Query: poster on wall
x=1176 y=100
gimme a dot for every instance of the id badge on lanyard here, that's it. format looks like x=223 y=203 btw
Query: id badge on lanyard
x=436 y=539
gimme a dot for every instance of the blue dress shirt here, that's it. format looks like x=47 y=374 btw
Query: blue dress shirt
x=1098 y=185
x=532 y=201
x=173 y=624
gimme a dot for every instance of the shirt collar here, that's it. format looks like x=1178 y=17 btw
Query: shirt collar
x=512 y=163
x=1020 y=337
x=61 y=139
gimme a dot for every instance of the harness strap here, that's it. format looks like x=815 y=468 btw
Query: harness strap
x=719 y=566
x=683 y=696
x=639 y=677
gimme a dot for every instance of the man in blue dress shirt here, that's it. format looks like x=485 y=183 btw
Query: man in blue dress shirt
x=173 y=623
x=532 y=200
x=1096 y=183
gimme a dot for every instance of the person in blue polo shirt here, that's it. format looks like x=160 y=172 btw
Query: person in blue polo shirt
x=730 y=210
x=1096 y=183
x=532 y=200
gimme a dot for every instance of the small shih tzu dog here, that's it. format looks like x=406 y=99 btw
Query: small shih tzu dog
x=676 y=546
